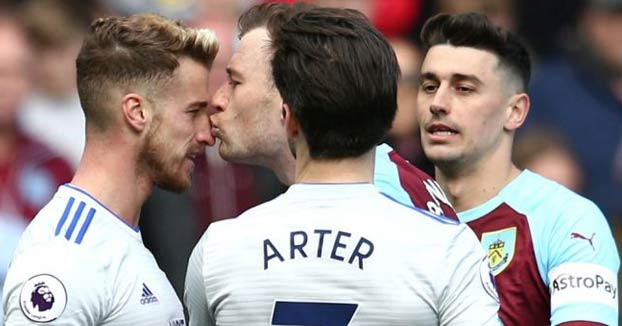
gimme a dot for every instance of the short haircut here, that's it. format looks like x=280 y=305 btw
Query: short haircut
x=139 y=51
x=339 y=75
x=259 y=15
x=477 y=31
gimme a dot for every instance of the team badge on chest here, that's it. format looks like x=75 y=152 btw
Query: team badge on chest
x=500 y=245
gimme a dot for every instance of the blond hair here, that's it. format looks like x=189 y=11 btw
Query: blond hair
x=139 y=51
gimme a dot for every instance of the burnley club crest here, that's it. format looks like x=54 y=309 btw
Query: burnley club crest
x=500 y=245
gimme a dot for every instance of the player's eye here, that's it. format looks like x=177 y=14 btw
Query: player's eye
x=428 y=87
x=233 y=83
x=465 y=89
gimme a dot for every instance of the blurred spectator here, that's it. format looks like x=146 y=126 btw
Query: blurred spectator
x=51 y=112
x=396 y=18
x=546 y=153
x=543 y=23
x=174 y=9
x=500 y=12
x=29 y=172
x=579 y=94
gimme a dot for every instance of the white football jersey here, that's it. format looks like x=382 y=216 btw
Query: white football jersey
x=339 y=254
x=79 y=264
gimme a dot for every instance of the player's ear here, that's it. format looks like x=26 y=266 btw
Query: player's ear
x=517 y=110
x=135 y=111
x=291 y=124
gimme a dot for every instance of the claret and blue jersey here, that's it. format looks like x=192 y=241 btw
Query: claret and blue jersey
x=551 y=251
x=408 y=185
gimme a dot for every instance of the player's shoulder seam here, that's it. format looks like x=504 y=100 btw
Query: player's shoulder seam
x=438 y=218
x=74 y=220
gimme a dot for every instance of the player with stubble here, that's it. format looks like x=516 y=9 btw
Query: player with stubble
x=333 y=250
x=551 y=251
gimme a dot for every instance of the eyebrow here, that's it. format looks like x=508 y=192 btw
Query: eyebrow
x=454 y=78
x=198 y=104
x=232 y=72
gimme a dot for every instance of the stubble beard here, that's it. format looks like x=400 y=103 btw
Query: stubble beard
x=160 y=167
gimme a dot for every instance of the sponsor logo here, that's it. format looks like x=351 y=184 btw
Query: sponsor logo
x=583 y=283
x=177 y=322
x=595 y=281
x=501 y=245
x=43 y=298
x=147 y=296
x=575 y=235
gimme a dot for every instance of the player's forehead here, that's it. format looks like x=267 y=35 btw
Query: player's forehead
x=252 y=53
x=445 y=61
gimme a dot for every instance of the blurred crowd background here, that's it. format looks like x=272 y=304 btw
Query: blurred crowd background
x=573 y=132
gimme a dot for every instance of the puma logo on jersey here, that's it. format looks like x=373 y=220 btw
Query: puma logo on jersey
x=147 y=296
x=575 y=235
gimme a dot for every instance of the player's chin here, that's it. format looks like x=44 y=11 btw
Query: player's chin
x=177 y=183
x=228 y=152
x=181 y=186
x=439 y=154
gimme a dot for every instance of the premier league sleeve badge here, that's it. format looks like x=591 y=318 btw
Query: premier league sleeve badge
x=43 y=298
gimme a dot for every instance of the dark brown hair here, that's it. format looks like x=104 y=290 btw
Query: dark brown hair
x=339 y=74
x=259 y=15
x=477 y=31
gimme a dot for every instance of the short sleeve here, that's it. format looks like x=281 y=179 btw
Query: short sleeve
x=55 y=291
x=583 y=266
x=194 y=293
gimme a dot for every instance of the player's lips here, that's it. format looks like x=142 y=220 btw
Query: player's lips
x=440 y=131
x=215 y=130
x=193 y=155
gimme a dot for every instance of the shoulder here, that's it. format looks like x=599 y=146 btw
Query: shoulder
x=537 y=195
x=48 y=280
x=408 y=184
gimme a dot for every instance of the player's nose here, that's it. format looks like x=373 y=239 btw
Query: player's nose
x=204 y=131
x=220 y=99
x=441 y=101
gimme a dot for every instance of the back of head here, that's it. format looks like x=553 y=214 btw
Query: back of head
x=139 y=53
x=476 y=31
x=339 y=75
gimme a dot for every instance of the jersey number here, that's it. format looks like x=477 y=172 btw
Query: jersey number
x=312 y=313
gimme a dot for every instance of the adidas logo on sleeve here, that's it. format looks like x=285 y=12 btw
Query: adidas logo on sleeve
x=147 y=296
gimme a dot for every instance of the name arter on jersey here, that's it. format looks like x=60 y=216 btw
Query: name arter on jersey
x=337 y=245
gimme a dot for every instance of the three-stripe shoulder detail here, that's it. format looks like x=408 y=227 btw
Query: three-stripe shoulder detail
x=79 y=218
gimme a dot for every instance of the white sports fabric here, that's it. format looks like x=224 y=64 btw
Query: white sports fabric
x=79 y=264
x=339 y=254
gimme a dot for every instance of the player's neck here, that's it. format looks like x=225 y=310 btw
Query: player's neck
x=111 y=177
x=284 y=166
x=468 y=187
x=360 y=169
